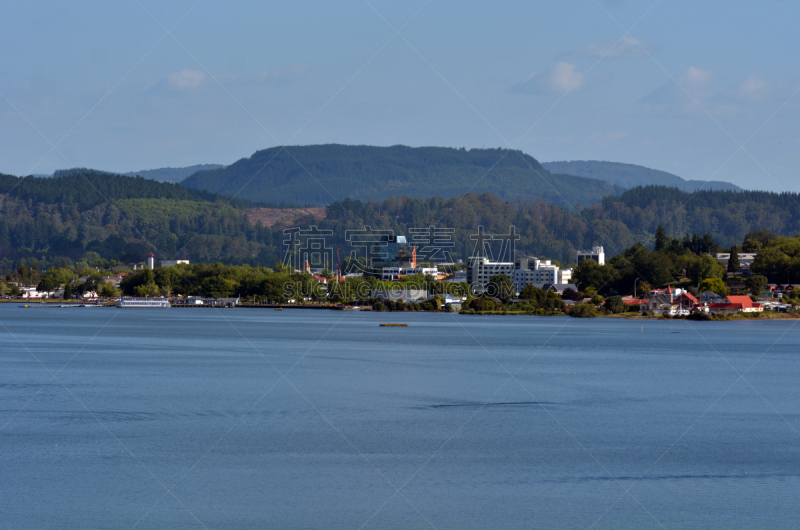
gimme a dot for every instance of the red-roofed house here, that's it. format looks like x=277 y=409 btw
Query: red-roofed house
x=735 y=304
x=748 y=306
x=634 y=301
x=686 y=300
x=724 y=309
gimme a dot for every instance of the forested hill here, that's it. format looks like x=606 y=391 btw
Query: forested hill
x=321 y=174
x=123 y=218
x=727 y=215
x=630 y=175
x=93 y=187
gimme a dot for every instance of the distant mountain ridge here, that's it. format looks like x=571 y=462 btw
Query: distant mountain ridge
x=631 y=175
x=320 y=174
x=164 y=174
x=172 y=174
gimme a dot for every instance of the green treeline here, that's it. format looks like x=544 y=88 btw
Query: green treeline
x=727 y=215
x=691 y=262
x=86 y=190
x=262 y=284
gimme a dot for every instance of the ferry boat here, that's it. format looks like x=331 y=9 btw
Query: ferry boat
x=129 y=301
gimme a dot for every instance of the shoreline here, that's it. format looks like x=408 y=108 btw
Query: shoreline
x=766 y=315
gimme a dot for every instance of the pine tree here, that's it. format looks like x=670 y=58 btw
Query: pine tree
x=733 y=261
x=661 y=238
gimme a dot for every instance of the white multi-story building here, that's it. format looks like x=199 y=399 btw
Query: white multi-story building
x=394 y=273
x=522 y=272
x=480 y=270
x=596 y=254
x=536 y=272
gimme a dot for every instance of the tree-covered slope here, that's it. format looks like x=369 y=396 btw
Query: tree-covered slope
x=86 y=189
x=321 y=174
x=630 y=175
x=124 y=218
x=727 y=215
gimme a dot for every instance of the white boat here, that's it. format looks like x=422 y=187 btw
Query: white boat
x=129 y=301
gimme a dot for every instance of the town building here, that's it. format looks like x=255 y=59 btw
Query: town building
x=459 y=277
x=779 y=290
x=400 y=294
x=559 y=288
x=33 y=292
x=151 y=261
x=710 y=297
x=453 y=301
x=395 y=273
x=391 y=251
x=173 y=262
x=735 y=304
x=631 y=301
x=596 y=253
x=671 y=301
x=536 y=272
x=317 y=275
x=480 y=270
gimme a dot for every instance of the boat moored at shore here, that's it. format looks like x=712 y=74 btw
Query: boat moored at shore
x=129 y=301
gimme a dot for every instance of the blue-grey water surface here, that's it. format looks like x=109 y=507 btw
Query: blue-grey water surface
x=251 y=418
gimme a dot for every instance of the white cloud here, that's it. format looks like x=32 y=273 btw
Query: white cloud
x=753 y=88
x=695 y=78
x=627 y=47
x=186 y=79
x=560 y=78
x=698 y=91
x=686 y=93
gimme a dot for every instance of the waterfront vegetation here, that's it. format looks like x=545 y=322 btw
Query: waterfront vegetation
x=689 y=262
x=682 y=262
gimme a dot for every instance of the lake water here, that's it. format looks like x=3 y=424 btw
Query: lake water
x=249 y=418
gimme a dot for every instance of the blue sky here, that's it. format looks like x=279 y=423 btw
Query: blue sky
x=701 y=89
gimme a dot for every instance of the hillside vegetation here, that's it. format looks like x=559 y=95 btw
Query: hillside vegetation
x=321 y=174
x=630 y=175
x=123 y=218
x=88 y=188
x=727 y=215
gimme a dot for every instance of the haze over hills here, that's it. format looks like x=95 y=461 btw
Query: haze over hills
x=164 y=174
x=630 y=175
x=171 y=174
x=319 y=174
